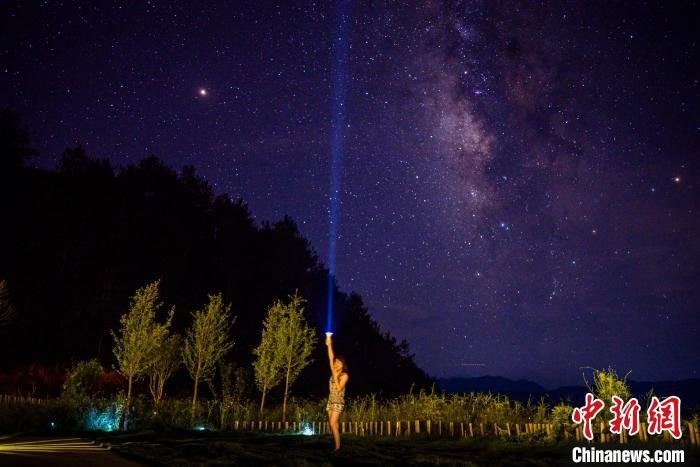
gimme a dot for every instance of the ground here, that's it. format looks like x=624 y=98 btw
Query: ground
x=62 y=451
x=211 y=448
x=291 y=449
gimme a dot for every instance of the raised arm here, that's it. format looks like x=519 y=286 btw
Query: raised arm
x=331 y=355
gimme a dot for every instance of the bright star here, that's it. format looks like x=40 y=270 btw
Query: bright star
x=202 y=92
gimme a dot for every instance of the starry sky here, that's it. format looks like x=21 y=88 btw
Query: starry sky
x=517 y=189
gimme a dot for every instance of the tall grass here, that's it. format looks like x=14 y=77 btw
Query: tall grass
x=473 y=407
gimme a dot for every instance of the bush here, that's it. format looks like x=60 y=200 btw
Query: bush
x=606 y=384
x=81 y=380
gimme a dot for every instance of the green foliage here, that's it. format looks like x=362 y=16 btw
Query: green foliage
x=606 y=384
x=561 y=416
x=285 y=348
x=297 y=339
x=80 y=379
x=207 y=341
x=140 y=335
x=166 y=358
x=269 y=358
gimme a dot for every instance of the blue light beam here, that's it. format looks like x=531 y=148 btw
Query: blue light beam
x=341 y=46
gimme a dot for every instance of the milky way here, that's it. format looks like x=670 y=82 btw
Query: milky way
x=519 y=181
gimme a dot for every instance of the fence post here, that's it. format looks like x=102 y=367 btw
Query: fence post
x=452 y=429
x=508 y=429
x=471 y=430
x=481 y=428
x=417 y=429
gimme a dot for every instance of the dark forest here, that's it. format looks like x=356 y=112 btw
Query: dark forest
x=77 y=241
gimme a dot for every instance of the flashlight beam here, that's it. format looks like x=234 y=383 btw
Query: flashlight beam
x=341 y=46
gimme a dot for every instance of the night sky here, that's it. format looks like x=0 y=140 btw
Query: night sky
x=517 y=182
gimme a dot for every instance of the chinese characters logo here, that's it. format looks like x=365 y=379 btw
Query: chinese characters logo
x=662 y=416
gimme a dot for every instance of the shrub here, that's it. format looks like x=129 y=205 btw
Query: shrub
x=81 y=380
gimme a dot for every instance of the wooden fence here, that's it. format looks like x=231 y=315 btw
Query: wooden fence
x=465 y=430
x=6 y=399
x=397 y=428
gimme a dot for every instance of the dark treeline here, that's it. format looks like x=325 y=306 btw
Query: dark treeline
x=77 y=241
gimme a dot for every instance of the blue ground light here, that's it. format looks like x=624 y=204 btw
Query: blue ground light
x=341 y=45
x=104 y=420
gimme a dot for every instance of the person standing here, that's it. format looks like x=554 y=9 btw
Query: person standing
x=336 y=398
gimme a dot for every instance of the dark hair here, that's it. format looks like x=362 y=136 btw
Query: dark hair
x=342 y=360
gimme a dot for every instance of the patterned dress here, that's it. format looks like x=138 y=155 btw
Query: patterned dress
x=336 y=399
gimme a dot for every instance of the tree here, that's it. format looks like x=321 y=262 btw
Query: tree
x=166 y=359
x=297 y=340
x=285 y=348
x=7 y=311
x=81 y=379
x=269 y=362
x=139 y=337
x=207 y=341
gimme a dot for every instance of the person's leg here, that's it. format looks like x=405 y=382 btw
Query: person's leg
x=334 y=416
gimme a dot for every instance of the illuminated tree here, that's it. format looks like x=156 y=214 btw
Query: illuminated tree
x=285 y=348
x=81 y=379
x=139 y=337
x=7 y=311
x=166 y=359
x=269 y=363
x=207 y=341
x=298 y=342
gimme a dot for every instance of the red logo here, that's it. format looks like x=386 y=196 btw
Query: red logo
x=662 y=416
x=625 y=416
x=665 y=416
x=587 y=413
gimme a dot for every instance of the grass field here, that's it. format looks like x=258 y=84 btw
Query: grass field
x=187 y=448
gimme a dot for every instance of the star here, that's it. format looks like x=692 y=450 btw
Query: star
x=202 y=92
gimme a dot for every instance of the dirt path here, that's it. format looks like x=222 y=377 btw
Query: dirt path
x=57 y=452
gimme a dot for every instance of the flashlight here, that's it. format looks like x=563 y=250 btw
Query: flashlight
x=329 y=334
